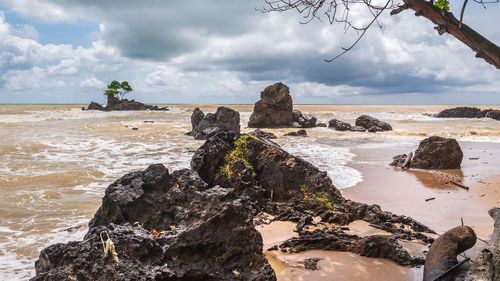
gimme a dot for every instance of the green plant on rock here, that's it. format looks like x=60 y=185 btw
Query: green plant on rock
x=320 y=198
x=239 y=153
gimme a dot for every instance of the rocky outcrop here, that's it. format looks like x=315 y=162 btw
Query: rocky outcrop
x=299 y=133
x=487 y=266
x=494 y=114
x=304 y=120
x=443 y=252
x=115 y=104
x=433 y=153
x=437 y=153
x=469 y=112
x=224 y=119
x=369 y=122
x=274 y=109
x=339 y=125
x=196 y=117
x=164 y=227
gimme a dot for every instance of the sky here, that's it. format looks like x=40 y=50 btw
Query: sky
x=228 y=51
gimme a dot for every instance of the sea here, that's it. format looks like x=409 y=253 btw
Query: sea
x=57 y=160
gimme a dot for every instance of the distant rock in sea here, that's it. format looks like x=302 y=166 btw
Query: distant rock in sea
x=115 y=104
x=204 y=126
x=372 y=124
x=469 y=112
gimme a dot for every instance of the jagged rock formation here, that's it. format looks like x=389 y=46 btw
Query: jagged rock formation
x=184 y=230
x=205 y=126
x=303 y=120
x=339 y=125
x=299 y=133
x=263 y=134
x=372 y=124
x=274 y=109
x=434 y=153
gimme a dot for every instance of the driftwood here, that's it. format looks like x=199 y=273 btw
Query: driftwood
x=460 y=185
x=429 y=199
x=406 y=164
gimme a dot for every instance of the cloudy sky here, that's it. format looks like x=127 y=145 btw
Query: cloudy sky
x=226 y=52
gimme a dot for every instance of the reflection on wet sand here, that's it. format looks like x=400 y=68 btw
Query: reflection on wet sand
x=438 y=179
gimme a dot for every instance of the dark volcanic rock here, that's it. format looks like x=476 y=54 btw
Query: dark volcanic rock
x=443 y=252
x=320 y=124
x=296 y=115
x=368 y=122
x=299 y=133
x=312 y=263
x=115 y=104
x=460 y=112
x=262 y=134
x=375 y=129
x=197 y=233
x=437 y=153
x=494 y=114
x=307 y=121
x=274 y=109
x=95 y=106
x=339 y=125
x=196 y=117
x=225 y=119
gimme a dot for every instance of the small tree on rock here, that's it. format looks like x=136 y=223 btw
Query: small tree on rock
x=117 y=88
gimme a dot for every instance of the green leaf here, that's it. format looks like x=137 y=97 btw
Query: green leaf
x=443 y=4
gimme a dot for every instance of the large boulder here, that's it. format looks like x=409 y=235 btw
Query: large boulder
x=116 y=104
x=95 y=106
x=443 y=252
x=437 y=153
x=369 y=122
x=224 y=120
x=164 y=227
x=307 y=121
x=274 y=109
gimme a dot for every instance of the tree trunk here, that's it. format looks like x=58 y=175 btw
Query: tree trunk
x=446 y=22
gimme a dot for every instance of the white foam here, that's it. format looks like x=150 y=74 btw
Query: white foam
x=331 y=159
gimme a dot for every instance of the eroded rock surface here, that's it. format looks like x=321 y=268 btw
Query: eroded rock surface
x=437 y=153
x=184 y=230
x=274 y=109
x=115 y=104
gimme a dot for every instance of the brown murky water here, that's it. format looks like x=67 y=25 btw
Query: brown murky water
x=57 y=160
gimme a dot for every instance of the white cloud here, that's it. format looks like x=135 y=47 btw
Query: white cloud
x=93 y=82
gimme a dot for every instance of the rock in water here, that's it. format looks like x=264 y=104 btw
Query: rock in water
x=95 y=106
x=369 y=122
x=299 y=133
x=487 y=266
x=437 y=153
x=191 y=232
x=460 y=112
x=225 y=119
x=196 y=117
x=443 y=252
x=339 y=125
x=263 y=134
x=274 y=109
x=494 y=114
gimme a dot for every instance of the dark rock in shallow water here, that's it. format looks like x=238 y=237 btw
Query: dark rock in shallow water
x=368 y=122
x=443 y=252
x=437 y=153
x=358 y=129
x=460 y=112
x=262 y=134
x=312 y=263
x=494 y=114
x=274 y=109
x=307 y=121
x=224 y=119
x=200 y=233
x=339 y=125
x=299 y=133
x=95 y=106
x=320 y=124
